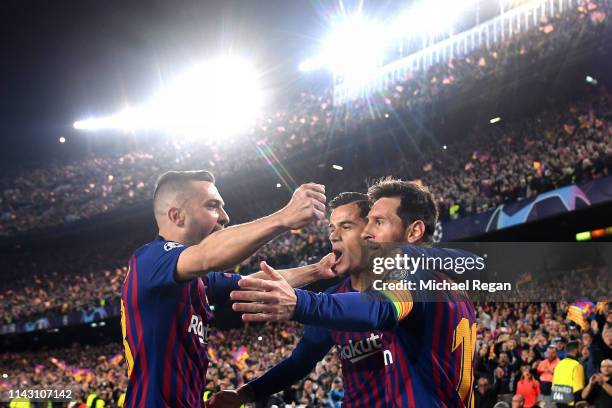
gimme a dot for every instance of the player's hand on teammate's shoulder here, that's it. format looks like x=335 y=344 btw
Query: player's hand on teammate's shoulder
x=265 y=300
x=306 y=205
x=326 y=267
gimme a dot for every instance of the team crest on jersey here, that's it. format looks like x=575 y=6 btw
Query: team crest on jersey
x=168 y=246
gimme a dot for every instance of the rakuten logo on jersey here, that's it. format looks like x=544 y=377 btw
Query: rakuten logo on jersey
x=197 y=327
x=359 y=350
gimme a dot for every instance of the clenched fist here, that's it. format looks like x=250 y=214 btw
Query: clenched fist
x=306 y=205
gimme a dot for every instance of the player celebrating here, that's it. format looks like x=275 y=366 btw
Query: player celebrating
x=401 y=349
x=165 y=310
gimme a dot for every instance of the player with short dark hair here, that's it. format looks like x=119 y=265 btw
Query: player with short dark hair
x=165 y=311
x=396 y=349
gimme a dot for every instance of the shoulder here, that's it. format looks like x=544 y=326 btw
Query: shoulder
x=154 y=250
x=340 y=287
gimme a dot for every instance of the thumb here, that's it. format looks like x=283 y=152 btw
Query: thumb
x=271 y=272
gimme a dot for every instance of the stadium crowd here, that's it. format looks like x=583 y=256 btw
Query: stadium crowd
x=518 y=349
x=471 y=180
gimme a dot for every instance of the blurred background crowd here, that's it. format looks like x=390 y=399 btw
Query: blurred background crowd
x=484 y=169
x=564 y=141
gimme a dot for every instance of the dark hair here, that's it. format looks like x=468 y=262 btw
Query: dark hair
x=416 y=202
x=572 y=346
x=352 y=197
x=179 y=181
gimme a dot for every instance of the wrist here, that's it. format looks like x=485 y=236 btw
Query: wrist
x=280 y=221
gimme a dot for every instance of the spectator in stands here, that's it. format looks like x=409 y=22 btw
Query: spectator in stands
x=546 y=368
x=485 y=395
x=528 y=388
x=598 y=391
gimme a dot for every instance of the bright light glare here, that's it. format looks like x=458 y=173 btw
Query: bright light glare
x=354 y=48
x=62 y=139
x=430 y=17
x=337 y=167
x=216 y=98
x=495 y=120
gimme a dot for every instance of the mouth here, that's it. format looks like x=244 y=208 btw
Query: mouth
x=338 y=254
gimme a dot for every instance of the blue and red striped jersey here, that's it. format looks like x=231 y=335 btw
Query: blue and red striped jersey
x=418 y=362
x=418 y=356
x=165 y=326
x=411 y=354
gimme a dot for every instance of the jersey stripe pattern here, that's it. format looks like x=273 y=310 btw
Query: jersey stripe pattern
x=165 y=326
x=425 y=360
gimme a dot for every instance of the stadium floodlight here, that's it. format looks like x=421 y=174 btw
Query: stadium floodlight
x=62 y=139
x=495 y=120
x=312 y=64
x=218 y=97
x=430 y=17
x=353 y=49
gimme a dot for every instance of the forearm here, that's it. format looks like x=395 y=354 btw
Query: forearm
x=301 y=276
x=586 y=391
x=226 y=248
x=344 y=311
x=607 y=388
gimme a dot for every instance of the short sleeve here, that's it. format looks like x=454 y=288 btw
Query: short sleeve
x=219 y=285
x=156 y=264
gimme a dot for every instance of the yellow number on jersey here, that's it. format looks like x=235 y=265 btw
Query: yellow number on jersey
x=465 y=336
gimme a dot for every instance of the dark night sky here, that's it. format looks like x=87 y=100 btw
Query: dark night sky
x=63 y=60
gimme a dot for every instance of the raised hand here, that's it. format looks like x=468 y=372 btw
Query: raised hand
x=327 y=267
x=306 y=205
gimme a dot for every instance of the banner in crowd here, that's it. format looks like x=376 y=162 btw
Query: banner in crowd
x=542 y=206
x=50 y=322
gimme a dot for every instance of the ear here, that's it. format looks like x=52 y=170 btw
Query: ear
x=415 y=232
x=176 y=216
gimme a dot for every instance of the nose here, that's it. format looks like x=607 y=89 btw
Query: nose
x=334 y=236
x=366 y=235
x=223 y=217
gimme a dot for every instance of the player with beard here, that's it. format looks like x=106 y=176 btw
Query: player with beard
x=165 y=311
x=369 y=338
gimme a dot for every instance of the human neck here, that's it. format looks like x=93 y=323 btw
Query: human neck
x=359 y=281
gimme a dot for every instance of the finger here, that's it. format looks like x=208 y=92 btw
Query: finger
x=253 y=308
x=318 y=214
x=259 y=317
x=316 y=187
x=252 y=296
x=271 y=272
x=316 y=195
x=319 y=206
x=255 y=283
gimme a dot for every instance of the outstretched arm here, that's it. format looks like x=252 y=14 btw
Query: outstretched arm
x=355 y=311
x=226 y=248
x=304 y=275
x=276 y=300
